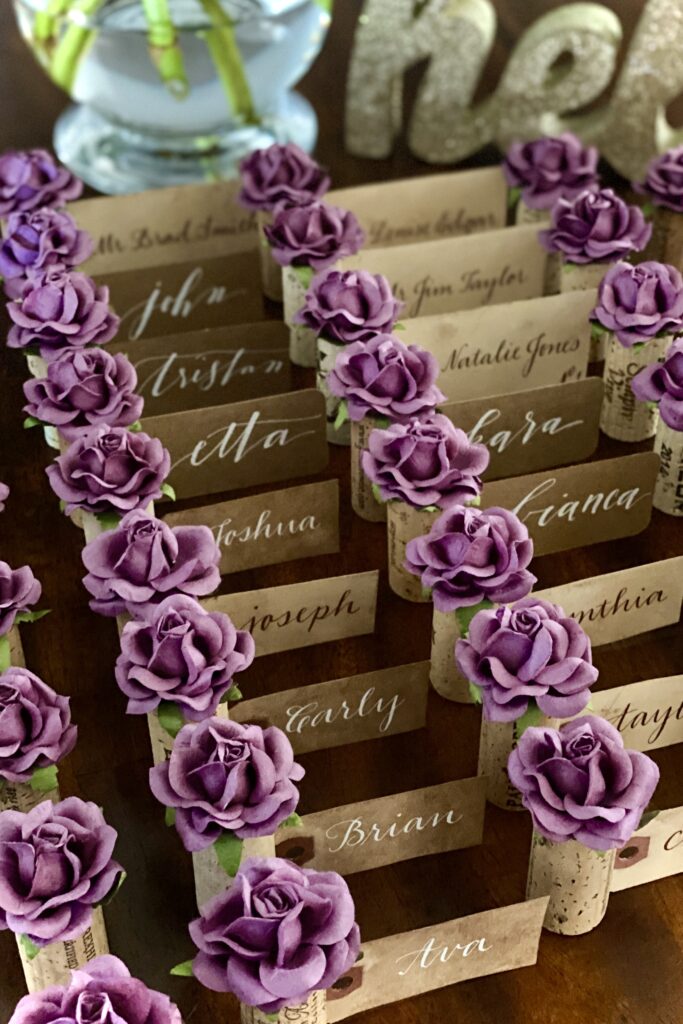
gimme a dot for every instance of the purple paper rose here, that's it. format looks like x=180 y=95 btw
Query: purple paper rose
x=595 y=227
x=663 y=383
x=19 y=591
x=639 y=302
x=580 y=783
x=183 y=654
x=472 y=555
x=547 y=168
x=226 y=777
x=425 y=462
x=281 y=174
x=35 y=725
x=349 y=305
x=531 y=651
x=663 y=183
x=110 y=469
x=384 y=377
x=38 y=239
x=55 y=867
x=278 y=934
x=143 y=561
x=314 y=236
x=103 y=992
x=34 y=178
x=60 y=309
x=85 y=388
x=4 y=495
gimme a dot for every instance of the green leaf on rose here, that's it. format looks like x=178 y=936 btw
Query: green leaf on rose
x=108 y=520
x=475 y=693
x=465 y=615
x=29 y=948
x=234 y=693
x=114 y=889
x=228 y=852
x=170 y=718
x=648 y=209
x=399 y=326
x=168 y=491
x=514 y=195
x=342 y=415
x=377 y=495
x=169 y=816
x=276 y=1016
x=598 y=332
x=31 y=421
x=293 y=821
x=5 y=656
x=304 y=274
x=531 y=717
x=381 y=422
x=44 y=780
x=33 y=616
x=136 y=427
x=647 y=817
x=183 y=970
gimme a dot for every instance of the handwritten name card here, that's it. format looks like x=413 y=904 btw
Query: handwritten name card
x=625 y=603
x=495 y=349
x=579 y=505
x=165 y=225
x=460 y=273
x=365 y=707
x=655 y=851
x=265 y=529
x=411 y=963
x=529 y=430
x=229 y=447
x=302 y=614
x=373 y=833
x=648 y=714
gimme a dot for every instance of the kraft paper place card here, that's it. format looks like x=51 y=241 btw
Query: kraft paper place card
x=460 y=273
x=303 y=614
x=156 y=301
x=654 y=851
x=427 y=207
x=580 y=505
x=648 y=714
x=624 y=603
x=210 y=367
x=373 y=833
x=265 y=529
x=408 y=964
x=165 y=225
x=512 y=347
x=386 y=702
x=529 y=430
x=230 y=447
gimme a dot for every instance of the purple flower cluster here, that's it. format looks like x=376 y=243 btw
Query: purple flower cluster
x=546 y=169
x=314 y=236
x=33 y=179
x=35 y=725
x=595 y=227
x=640 y=302
x=4 y=495
x=663 y=183
x=349 y=305
x=19 y=591
x=663 y=383
x=39 y=239
x=281 y=174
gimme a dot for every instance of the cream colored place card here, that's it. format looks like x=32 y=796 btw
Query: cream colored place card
x=303 y=614
x=624 y=603
x=364 y=707
x=579 y=505
x=427 y=207
x=266 y=529
x=230 y=447
x=529 y=430
x=648 y=714
x=210 y=367
x=512 y=347
x=165 y=225
x=654 y=851
x=460 y=273
x=372 y=833
x=408 y=964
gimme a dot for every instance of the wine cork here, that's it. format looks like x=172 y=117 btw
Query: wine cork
x=622 y=416
x=37 y=366
x=209 y=877
x=162 y=741
x=577 y=880
x=444 y=674
x=578 y=277
x=527 y=215
x=668 y=236
x=327 y=352
x=54 y=963
x=497 y=740
x=668 y=494
x=303 y=350
x=403 y=524
x=16 y=650
x=314 y=1011
x=271 y=272
x=363 y=501
x=21 y=796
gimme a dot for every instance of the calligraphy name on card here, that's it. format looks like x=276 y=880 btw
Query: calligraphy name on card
x=460 y=273
x=209 y=367
x=265 y=529
x=408 y=964
x=529 y=430
x=427 y=207
x=654 y=851
x=370 y=834
x=229 y=447
x=624 y=603
x=364 y=707
x=580 y=505
x=186 y=296
x=495 y=349
x=302 y=614
x=648 y=714
x=165 y=225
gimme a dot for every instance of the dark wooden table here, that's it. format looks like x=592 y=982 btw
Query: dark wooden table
x=626 y=972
